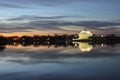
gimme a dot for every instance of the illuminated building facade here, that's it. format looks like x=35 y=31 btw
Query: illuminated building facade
x=85 y=34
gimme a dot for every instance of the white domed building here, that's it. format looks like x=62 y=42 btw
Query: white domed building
x=85 y=34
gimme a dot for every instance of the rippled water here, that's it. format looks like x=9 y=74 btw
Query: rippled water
x=79 y=62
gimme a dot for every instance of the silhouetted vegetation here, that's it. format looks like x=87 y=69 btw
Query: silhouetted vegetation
x=56 y=40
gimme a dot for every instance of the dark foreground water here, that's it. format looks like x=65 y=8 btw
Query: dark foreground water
x=82 y=62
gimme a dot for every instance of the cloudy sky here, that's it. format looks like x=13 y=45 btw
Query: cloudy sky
x=59 y=16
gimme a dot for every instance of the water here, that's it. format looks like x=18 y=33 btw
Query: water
x=79 y=62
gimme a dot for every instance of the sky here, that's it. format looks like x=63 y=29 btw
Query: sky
x=19 y=17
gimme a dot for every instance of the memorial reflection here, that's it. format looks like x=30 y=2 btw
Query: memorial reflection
x=83 y=46
x=56 y=41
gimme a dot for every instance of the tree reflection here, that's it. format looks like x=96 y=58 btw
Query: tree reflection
x=59 y=41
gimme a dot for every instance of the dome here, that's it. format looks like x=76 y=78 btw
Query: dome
x=85 y=34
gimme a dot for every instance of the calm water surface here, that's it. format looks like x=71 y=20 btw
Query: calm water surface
x=79 y=62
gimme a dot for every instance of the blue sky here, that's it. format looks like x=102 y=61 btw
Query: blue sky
x=18 y=15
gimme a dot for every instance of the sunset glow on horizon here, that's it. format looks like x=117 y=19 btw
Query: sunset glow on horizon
x=43 y=17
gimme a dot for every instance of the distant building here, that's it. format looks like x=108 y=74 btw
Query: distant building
x=85 y=34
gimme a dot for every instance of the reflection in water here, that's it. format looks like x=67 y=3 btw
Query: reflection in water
x=2 y=47
x=56 y=59
x=84 y=46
